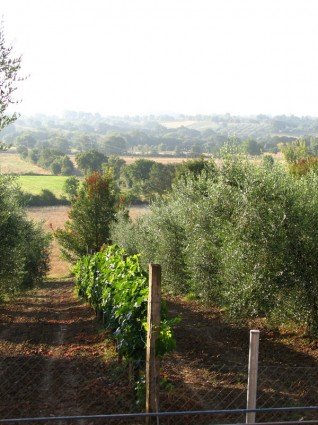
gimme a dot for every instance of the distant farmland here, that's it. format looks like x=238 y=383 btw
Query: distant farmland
x=11 y=163
x=162 y=159
x=52 y=219
x=35 y=184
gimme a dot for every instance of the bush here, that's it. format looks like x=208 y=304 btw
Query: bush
x=45 y=199
x=56 y=167
x=36 y=246
x=71 y=186
x=303 y=166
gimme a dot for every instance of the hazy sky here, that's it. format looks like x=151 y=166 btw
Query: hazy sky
x=121 y=57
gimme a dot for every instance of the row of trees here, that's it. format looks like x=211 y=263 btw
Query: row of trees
x=152 y=138
x=97 y=202
x=142 y=180
x=241 y=236
x=51 y=159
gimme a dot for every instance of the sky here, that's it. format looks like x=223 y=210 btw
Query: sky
x=127 y=57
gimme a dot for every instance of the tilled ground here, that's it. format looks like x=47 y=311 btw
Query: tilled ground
x=55 y=359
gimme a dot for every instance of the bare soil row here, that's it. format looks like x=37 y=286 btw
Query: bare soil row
x=56 y=359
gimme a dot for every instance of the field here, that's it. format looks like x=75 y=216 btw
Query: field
x=162 y=160
x=240 y=129
x=11 y=163
x=35 y=184
x=54 y=218
x=178 y=124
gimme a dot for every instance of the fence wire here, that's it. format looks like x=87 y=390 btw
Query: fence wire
x=200 y=386
x=33 y=386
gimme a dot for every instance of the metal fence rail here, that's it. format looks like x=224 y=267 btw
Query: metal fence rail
x=162 y=415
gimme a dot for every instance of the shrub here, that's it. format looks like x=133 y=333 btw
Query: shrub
x=36 y=248
x=56 y=167
x=71 y=186
x=303 y=166
x=45 y=199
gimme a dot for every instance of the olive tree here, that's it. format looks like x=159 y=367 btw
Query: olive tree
x=24 y=245
x=9 y=77
x=244 y=237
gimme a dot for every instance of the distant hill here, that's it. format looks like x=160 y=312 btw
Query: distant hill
x=154 y=135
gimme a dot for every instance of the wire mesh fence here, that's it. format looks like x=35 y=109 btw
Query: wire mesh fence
x=54 y=362
x=36 y=386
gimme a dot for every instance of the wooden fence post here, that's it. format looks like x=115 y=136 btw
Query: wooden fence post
x=153 y=323
x=252 y=375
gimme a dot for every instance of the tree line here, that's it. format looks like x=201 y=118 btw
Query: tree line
x=241 y=236
x=150 y=135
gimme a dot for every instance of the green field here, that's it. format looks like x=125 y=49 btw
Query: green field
x=35 y=184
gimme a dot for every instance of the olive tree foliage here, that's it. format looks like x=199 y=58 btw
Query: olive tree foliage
x=295 y=151
x=24 y=259
x=244 y=237
x=9 y=77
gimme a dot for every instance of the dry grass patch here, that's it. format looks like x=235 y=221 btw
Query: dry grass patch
x=138 y=211
x=178 y=124
x=11 y=163
x=52 y=218
x=163 y=160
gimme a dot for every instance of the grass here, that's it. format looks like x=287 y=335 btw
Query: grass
x=11 y=163
x=35 y=184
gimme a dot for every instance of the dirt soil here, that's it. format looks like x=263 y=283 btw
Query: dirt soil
x=203 y=333
x=56 y=359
